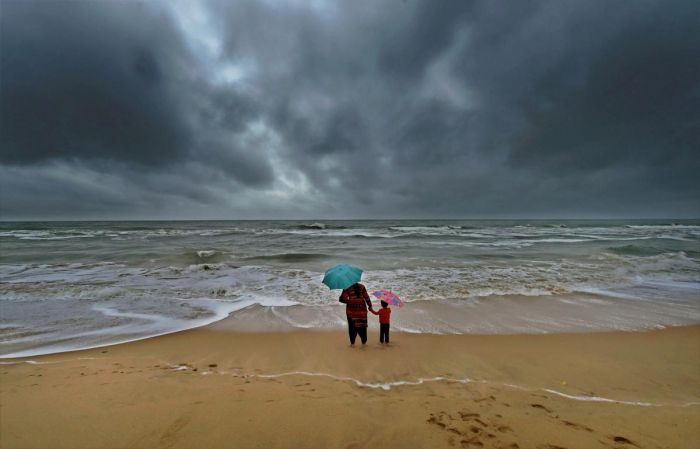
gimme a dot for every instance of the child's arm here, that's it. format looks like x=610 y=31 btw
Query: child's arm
x=372 y=310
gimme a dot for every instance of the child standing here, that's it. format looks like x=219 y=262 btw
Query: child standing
x=384 y=320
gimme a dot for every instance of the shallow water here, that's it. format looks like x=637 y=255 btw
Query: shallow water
x=72 y=285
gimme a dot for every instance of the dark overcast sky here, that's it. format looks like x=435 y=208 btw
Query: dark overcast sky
x=349 y=109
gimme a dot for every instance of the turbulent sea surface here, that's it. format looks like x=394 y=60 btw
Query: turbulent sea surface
x=68 y=285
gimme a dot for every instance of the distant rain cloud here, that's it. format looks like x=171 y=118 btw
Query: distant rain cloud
x=288 y=109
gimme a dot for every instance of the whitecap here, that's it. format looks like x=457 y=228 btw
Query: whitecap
x=203 y=254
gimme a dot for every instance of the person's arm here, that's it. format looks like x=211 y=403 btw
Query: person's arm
x=343 y=298
x=367 y=300
x=372 y=310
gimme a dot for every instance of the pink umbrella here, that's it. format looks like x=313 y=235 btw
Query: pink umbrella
x=388 y=297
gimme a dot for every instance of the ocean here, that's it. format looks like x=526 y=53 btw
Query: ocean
x=72 y=285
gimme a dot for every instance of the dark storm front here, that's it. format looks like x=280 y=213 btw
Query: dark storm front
x=77 y=284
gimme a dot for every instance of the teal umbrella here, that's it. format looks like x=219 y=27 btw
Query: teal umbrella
x=342 y=276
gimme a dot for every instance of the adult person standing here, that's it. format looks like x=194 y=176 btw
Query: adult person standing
x=357 y=302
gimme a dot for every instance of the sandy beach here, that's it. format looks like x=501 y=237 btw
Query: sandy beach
x=217 y=388
x=201 y=200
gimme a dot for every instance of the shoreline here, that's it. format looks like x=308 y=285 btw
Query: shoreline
x=87 y=285
x=12 y=359
x=258 y=318
x=211 y=387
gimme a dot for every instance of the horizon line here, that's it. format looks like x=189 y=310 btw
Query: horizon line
x=19 y=220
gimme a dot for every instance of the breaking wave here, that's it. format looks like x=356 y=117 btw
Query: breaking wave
x=58 y=279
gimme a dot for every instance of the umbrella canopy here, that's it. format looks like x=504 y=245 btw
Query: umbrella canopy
x=388 y=297
x=342 y=276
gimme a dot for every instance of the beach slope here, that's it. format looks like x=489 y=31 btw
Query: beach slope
x=214 y=388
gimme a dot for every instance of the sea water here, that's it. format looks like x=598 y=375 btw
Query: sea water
x=70 y=285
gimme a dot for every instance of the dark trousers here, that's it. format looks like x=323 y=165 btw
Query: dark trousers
x=384 y=333
x=355 y=331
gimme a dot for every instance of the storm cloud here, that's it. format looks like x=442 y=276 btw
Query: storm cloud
x=366 y=109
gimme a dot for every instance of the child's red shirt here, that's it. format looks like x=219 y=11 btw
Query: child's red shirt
x=384 y=314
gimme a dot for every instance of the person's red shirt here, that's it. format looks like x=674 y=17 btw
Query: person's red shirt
x=384 y=314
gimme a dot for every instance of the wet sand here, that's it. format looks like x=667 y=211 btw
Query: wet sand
x=215 y=388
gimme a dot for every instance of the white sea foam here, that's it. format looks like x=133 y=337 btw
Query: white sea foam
x=28 y=362
x=154 y=325
x=455 y=277
x=663 y=227
x=388 y=385
x=374 y=385
x=203 y=254
x=598 y=399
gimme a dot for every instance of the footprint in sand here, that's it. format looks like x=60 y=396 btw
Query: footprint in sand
x=471 y=443
x=474 y=429
x=573 y=425
x=622 y=440
x=434 y=420
x=540 y=406
x=475 y=417
x=169 y=437
x=577 y=426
